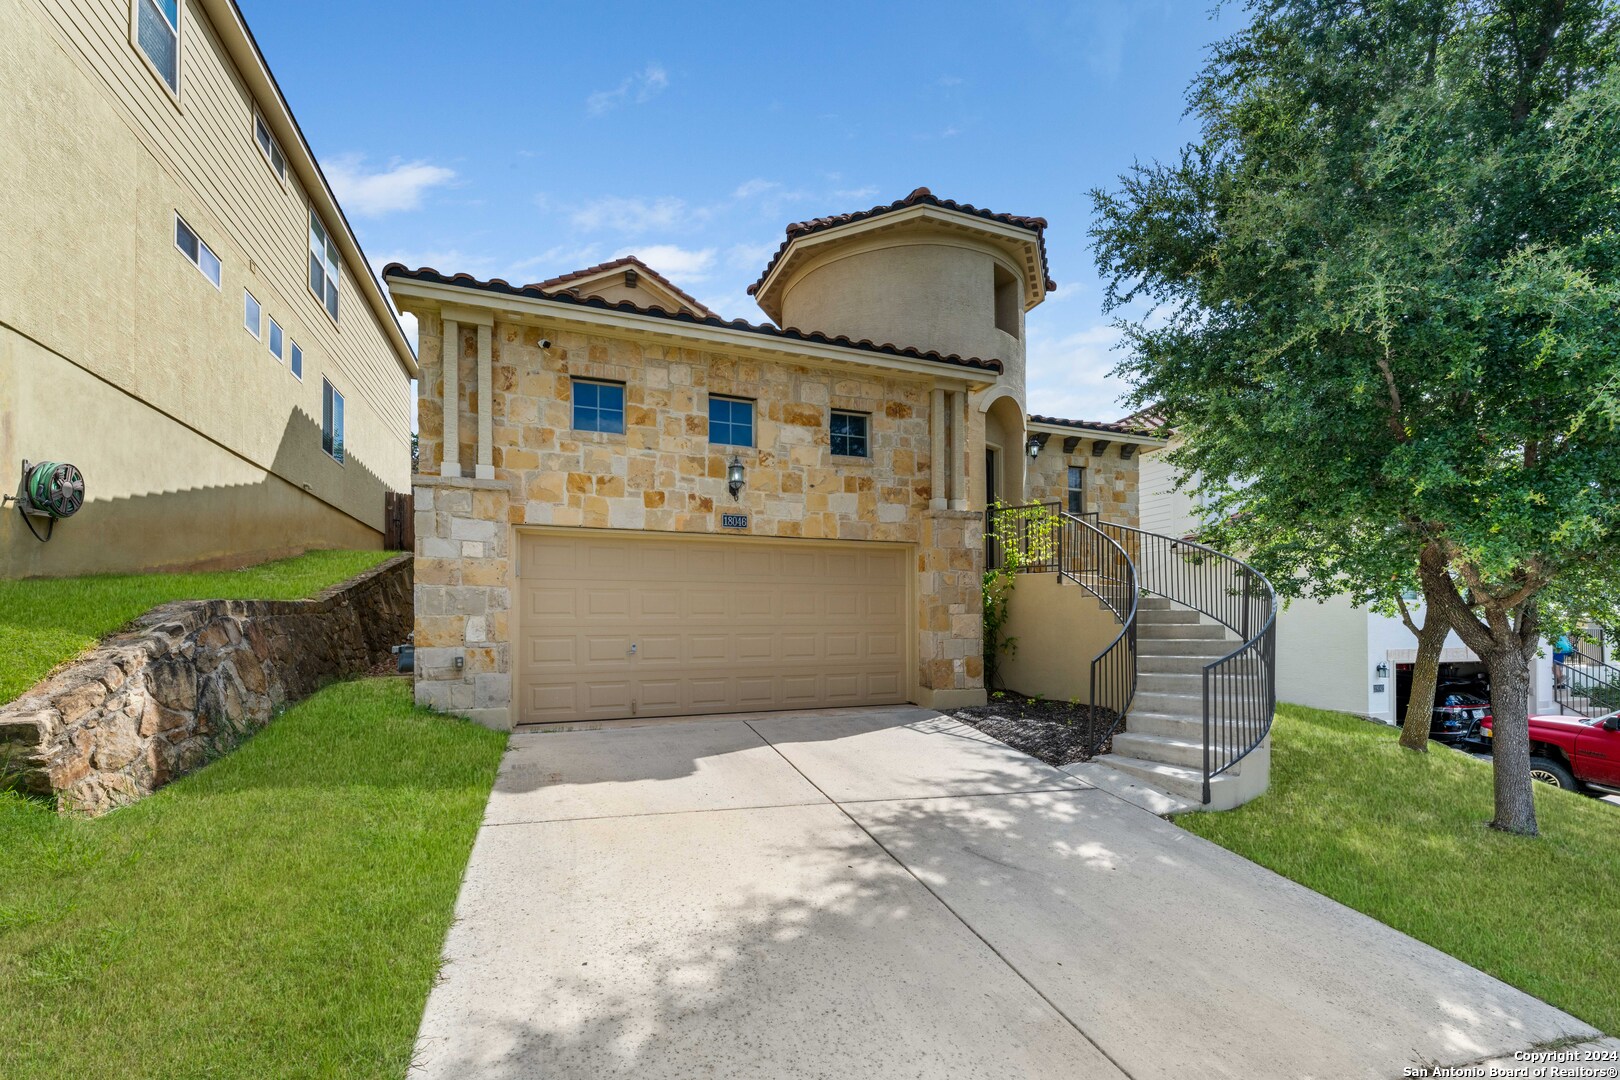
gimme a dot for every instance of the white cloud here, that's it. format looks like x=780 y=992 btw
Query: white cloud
x=750 y=256
x=637 y=89
x=676 y=263
x=407 y=324
x=444 y=260
x=630 y=215
x=1068 y=374
x=750 y=188
x=398 y=187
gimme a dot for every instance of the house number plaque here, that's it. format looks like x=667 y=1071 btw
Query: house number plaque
x=734 y=521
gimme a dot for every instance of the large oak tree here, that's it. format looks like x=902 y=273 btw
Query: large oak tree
x=1382 y=292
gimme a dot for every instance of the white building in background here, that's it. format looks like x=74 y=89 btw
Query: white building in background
x=1332 y=654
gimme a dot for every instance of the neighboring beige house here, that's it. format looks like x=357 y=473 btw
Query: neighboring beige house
x=635 y=508
x=184 y=312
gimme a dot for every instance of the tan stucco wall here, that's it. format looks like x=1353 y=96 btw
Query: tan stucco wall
x=1111 y=483
x=1059 y=628
x=159 y=494
x=924 y=288
x=93 y=277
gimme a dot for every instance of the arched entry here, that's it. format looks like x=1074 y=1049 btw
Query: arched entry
x=1002 y=476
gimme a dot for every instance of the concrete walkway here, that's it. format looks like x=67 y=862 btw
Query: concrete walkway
x=887 y=893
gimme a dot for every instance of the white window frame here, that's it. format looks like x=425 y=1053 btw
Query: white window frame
x=179 y=36
x=295 y=360
x=274 y=151
x=338 y=425
x=276 y=337
x=202 y=246
x=258 y=330
x=331 y=266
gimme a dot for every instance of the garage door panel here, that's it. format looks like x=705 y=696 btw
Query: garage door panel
x=718 y=625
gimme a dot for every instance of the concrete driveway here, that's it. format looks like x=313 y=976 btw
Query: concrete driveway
x=887 y=893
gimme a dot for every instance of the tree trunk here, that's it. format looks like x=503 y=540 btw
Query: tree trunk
x=1510 y=742
x=1505 y=640
x=1425 y=674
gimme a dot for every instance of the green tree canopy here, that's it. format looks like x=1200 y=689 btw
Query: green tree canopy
x=1385 y=308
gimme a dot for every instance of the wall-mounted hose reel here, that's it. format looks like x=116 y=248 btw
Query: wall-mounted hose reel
x=49 y=491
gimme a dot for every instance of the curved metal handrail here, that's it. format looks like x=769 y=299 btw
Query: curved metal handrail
x=1096 y=562
x=1240 y=688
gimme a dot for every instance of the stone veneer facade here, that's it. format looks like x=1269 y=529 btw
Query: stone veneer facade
x=1111 y=479
x=663 y=475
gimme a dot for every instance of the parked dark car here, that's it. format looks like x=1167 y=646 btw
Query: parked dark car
x=1458 y=716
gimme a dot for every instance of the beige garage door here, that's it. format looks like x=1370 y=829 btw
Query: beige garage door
x=648 y=626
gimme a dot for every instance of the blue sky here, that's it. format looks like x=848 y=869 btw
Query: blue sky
x=524 y=140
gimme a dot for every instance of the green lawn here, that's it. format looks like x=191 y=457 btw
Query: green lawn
x=47 y=621
x=1402 y=837
x=278 y=913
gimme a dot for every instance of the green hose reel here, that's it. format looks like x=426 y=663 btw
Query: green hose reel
x=52 y=490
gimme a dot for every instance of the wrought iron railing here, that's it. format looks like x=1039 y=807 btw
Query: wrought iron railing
x=1239 y=688
x=1586 y=686
x=1076 y=549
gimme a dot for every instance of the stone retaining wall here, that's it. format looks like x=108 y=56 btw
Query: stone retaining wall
x=190 y=682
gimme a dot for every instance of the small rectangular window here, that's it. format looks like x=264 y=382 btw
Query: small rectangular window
x=731 y=421
x=331 y=421
x=296 y=363
x=251 y=314
x=323 y=265
x=276 y=343
x=194 y=249
x=268 y=147
x=1076 y=490
x=157 y=30
x=848 y=431
x=599 y=406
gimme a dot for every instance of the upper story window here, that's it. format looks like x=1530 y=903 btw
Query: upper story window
x=323 y=265
x=599 y=406
x=1077 y=490
x=252 y=314
x=201 y=256
x=278 y=344
x=268 y=146
x=296 y=362
x=731 y=421
x=1009 y=299
x=157 y=32
x=848 y=430
x=331 y=421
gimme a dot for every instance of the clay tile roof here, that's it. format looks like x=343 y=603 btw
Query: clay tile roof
x=552 y=284
x=920 y=197
x=1123 y=427
x=535 y=292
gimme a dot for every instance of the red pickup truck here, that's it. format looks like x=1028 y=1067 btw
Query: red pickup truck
x=1574 y=752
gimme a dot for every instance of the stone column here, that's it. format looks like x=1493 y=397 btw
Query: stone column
x=450 y=451
x=937 y=420
x=485 y=469
x=959 y=450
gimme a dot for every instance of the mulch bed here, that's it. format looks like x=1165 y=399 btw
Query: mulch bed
x=1056 y=732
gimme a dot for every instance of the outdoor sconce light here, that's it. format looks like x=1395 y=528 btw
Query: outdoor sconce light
x=734 y=476
x=1383 y=671
x=1034 y=448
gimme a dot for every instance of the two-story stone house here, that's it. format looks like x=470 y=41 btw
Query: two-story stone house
x=185 y=313
x=628 y=506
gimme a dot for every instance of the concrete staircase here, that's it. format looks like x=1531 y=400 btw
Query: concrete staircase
x=1162 y=747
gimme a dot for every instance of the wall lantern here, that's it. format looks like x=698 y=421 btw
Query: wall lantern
x=734 y=476
x=1034 y=447
x=1383 y=671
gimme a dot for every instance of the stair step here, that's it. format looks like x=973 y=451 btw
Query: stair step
x=1167 y=616
x=1178 y=665
x=1226 y=683
x=1176 y=779
x=1154 y=603
x=1209 y=649
x=1180 y=631
x=1161 y=748
x=1170 y=725
x=1154 y=701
